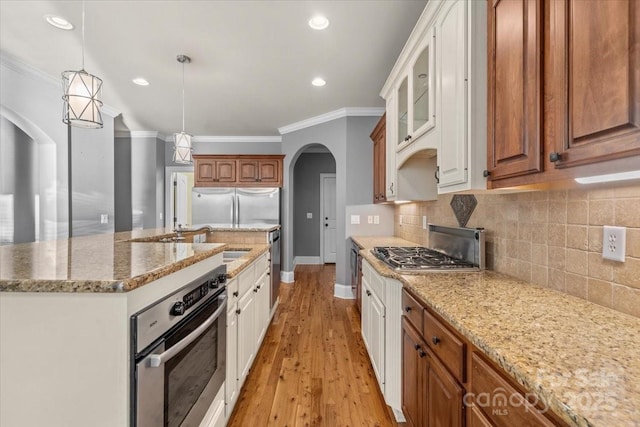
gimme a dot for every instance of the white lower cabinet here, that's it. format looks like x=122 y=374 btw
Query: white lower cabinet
x=248 y=317
x=381 y=333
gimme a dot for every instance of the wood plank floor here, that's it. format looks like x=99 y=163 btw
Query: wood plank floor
x=312 y=368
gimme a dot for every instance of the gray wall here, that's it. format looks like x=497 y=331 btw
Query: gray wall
x=307 y=172
x=122 y=171
x=32 y=101
x=18 y=181
x=346 y=138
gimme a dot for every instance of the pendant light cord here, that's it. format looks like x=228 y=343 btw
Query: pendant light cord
x=83 y=35
x=183 y=97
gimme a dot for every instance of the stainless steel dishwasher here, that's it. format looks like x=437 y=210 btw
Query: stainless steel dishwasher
x=274 y=241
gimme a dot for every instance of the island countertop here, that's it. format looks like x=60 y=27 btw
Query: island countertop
x=580 y=358
x=105 y=263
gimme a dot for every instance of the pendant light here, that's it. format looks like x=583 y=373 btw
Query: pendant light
x=182 y=141
x=82 y=95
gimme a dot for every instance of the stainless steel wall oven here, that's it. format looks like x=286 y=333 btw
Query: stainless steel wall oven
x=178 y=354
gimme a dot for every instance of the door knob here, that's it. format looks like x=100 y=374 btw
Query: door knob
x=326 y=225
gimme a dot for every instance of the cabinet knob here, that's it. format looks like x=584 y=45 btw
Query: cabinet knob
x=422 y=353
x=368 y=293
x=377 y=197
x=238 y=311
x=408 y=309
x=416 y=346
x=486 y=173
x=235 y=294
x=255 y=290
x=435 y=340
x=554 y=157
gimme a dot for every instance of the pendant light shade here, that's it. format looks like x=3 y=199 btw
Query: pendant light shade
x=82 y=95
x=82 y=99
x=182 y=149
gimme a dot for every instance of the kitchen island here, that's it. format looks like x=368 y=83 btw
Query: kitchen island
x=65 y=309
x=578 y=358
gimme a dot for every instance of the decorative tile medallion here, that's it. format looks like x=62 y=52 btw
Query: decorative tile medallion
x=463 y=206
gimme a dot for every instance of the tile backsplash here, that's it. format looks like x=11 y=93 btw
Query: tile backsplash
x=550 y=238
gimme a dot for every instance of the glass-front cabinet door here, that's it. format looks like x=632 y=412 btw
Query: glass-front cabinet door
x=403 y=112
x=416 y=95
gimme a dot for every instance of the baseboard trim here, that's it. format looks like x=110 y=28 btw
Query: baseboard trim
x=307 y=260
x=343 y=291
x=286 y=276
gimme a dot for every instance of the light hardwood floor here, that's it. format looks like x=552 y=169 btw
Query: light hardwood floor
x=313 y=368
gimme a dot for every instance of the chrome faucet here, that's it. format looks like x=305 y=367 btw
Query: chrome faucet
x=181 y=230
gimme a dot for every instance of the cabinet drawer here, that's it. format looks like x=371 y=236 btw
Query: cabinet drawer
x=449 y=349
x=262 y=265
x=376 y=282
x=501 y=403
x=246 y=280
x=233 y=293
x=412 y=310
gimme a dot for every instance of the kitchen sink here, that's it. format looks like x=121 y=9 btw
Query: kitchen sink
x=229 y=256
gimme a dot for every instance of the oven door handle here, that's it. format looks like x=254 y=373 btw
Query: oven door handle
x=155 y=360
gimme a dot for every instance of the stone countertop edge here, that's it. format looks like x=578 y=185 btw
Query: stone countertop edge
x=557 y=398
x=237 y=265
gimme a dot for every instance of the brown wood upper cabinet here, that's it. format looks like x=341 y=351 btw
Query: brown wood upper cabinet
x=378 y=136
x=514 y=115
x=238 y=170
x=563 y=89
x=594 y=55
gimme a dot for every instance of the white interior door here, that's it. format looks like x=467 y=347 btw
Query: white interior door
x=182 y=194
x=328 y=218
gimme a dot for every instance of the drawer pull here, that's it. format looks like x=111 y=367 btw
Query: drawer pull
x=435 y=340
x=417 y=346
x=407 y=308
x=422 y=353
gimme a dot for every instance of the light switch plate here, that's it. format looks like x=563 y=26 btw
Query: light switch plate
x=370 y=219
x=613 y=243
x=424 y=222
x=376 y=219
x=355 y=219
x=400 y=219
x=309 y=215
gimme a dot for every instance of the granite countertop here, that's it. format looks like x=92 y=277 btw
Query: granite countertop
x=237 y=265
x=580 y=358
x=106 y=263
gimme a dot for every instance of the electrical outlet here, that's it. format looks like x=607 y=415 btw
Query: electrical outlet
x=401 y=219
x=160 y=216
x=376 y=219
x=309 y=215
x=424 y=222
x=370 y=219
x=104 y=218
x=613 y=243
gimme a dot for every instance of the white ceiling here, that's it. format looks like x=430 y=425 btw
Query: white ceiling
x=252 y=61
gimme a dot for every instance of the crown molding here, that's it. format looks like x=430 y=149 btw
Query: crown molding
x=332 y=115
x=30 y=71
x=231 y=138
x=140 y=134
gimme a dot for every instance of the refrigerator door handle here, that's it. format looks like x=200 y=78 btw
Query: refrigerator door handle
x=237 y=211
x=233 y=211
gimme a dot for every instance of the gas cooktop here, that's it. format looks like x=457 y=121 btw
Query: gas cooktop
x=417 y=259
x=451 y=249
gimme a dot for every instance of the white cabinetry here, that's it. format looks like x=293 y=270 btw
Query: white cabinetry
x=381 y=332
x=248 y=317
x=436 y=104
x=462 y=96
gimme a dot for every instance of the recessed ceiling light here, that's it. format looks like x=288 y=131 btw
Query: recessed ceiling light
x=318 y=22
x=141 y=81
x=58 y=22
x=318 y=82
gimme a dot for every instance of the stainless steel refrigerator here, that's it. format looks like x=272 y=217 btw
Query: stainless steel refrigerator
x=235 y=207
x=242 y=208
